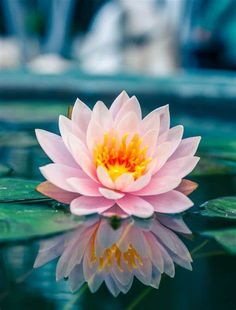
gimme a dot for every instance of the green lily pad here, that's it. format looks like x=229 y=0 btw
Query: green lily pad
x=212 y=166
x=4 y=170
x=226 y=238
x=20 y=190
x=224 y=207
x=218 y=148
x=22 y=222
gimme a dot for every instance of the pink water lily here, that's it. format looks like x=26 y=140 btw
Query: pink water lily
x=113 y=161
x=95 y=253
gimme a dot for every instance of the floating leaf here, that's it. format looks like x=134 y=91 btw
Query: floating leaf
x=19 y=190
x=224 y=207
x=211 y=166
x=219 y=148
x=21 y=222
x=226 y=238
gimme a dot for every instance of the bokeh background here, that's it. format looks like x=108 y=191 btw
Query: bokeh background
x=180 y=52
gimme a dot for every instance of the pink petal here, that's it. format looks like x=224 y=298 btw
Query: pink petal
x=187 y=147
x=82 y=157
x=54 y=147
x=81 y=115
x=106 y=236
x=58 y=175
x=179 y=167
x=85 y=186
x=186 y=187
x=67 y=127
x=163 y=152
x=88 y=205
x=173 y=139
x=156 y=256
x=54 y=192
x=118 y=103
x=128 y=124
x=104 y=177
x=102 y=116
x=123 y=181
x=137 y=185
x=76 y=278
x=95 y=134
x=137 y=206
x=171 y=202
x=131 y=105
x=174 y=223
x=164 y=118
x=159 y=185
x=150 y=122
x=149 y=140
x=110 y=194
x=170 y=240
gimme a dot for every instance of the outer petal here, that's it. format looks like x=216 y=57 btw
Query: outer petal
x=149 y=141
x=88 y=205
x=186 y=187
x=150 y=122
x=187 y=147
x=81 y=115
x=163 y=152
x=76 y=278
x=134 y=205
x=131 y=105
x=54 y=192
x=164 y=114
x=179 y=167
x=67 y=127
x=95 y=134
x=58 y=175
x=102 y=116
x=171 y=202
x=118 y=103
x=55 y=148
x=82 y=157
x=174 y=137
x=128 y=124
x=170 y=240
x=174 y=223
x=159 y=185
x=85 y=186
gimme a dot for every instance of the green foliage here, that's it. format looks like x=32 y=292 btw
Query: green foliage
x=22 y=222
x=225 y=237
x=224 y=207
x=19 y=190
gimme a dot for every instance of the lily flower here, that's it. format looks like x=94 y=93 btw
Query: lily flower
x=95 y=253
x=113 y=161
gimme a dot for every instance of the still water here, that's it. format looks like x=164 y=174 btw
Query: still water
x=211 y=284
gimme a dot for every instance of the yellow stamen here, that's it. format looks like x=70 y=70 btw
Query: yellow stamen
x=119 y=156
x=114 y=256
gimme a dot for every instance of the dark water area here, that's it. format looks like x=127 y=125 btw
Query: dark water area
x=211 y=284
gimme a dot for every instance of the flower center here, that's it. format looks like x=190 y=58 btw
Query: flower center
x=119 y=156
x=113 y=256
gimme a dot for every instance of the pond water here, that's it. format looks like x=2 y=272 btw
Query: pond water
x=211 y=284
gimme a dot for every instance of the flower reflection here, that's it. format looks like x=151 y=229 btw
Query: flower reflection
x=95 y=253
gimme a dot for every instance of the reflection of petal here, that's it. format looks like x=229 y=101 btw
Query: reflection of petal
x=95 y=253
